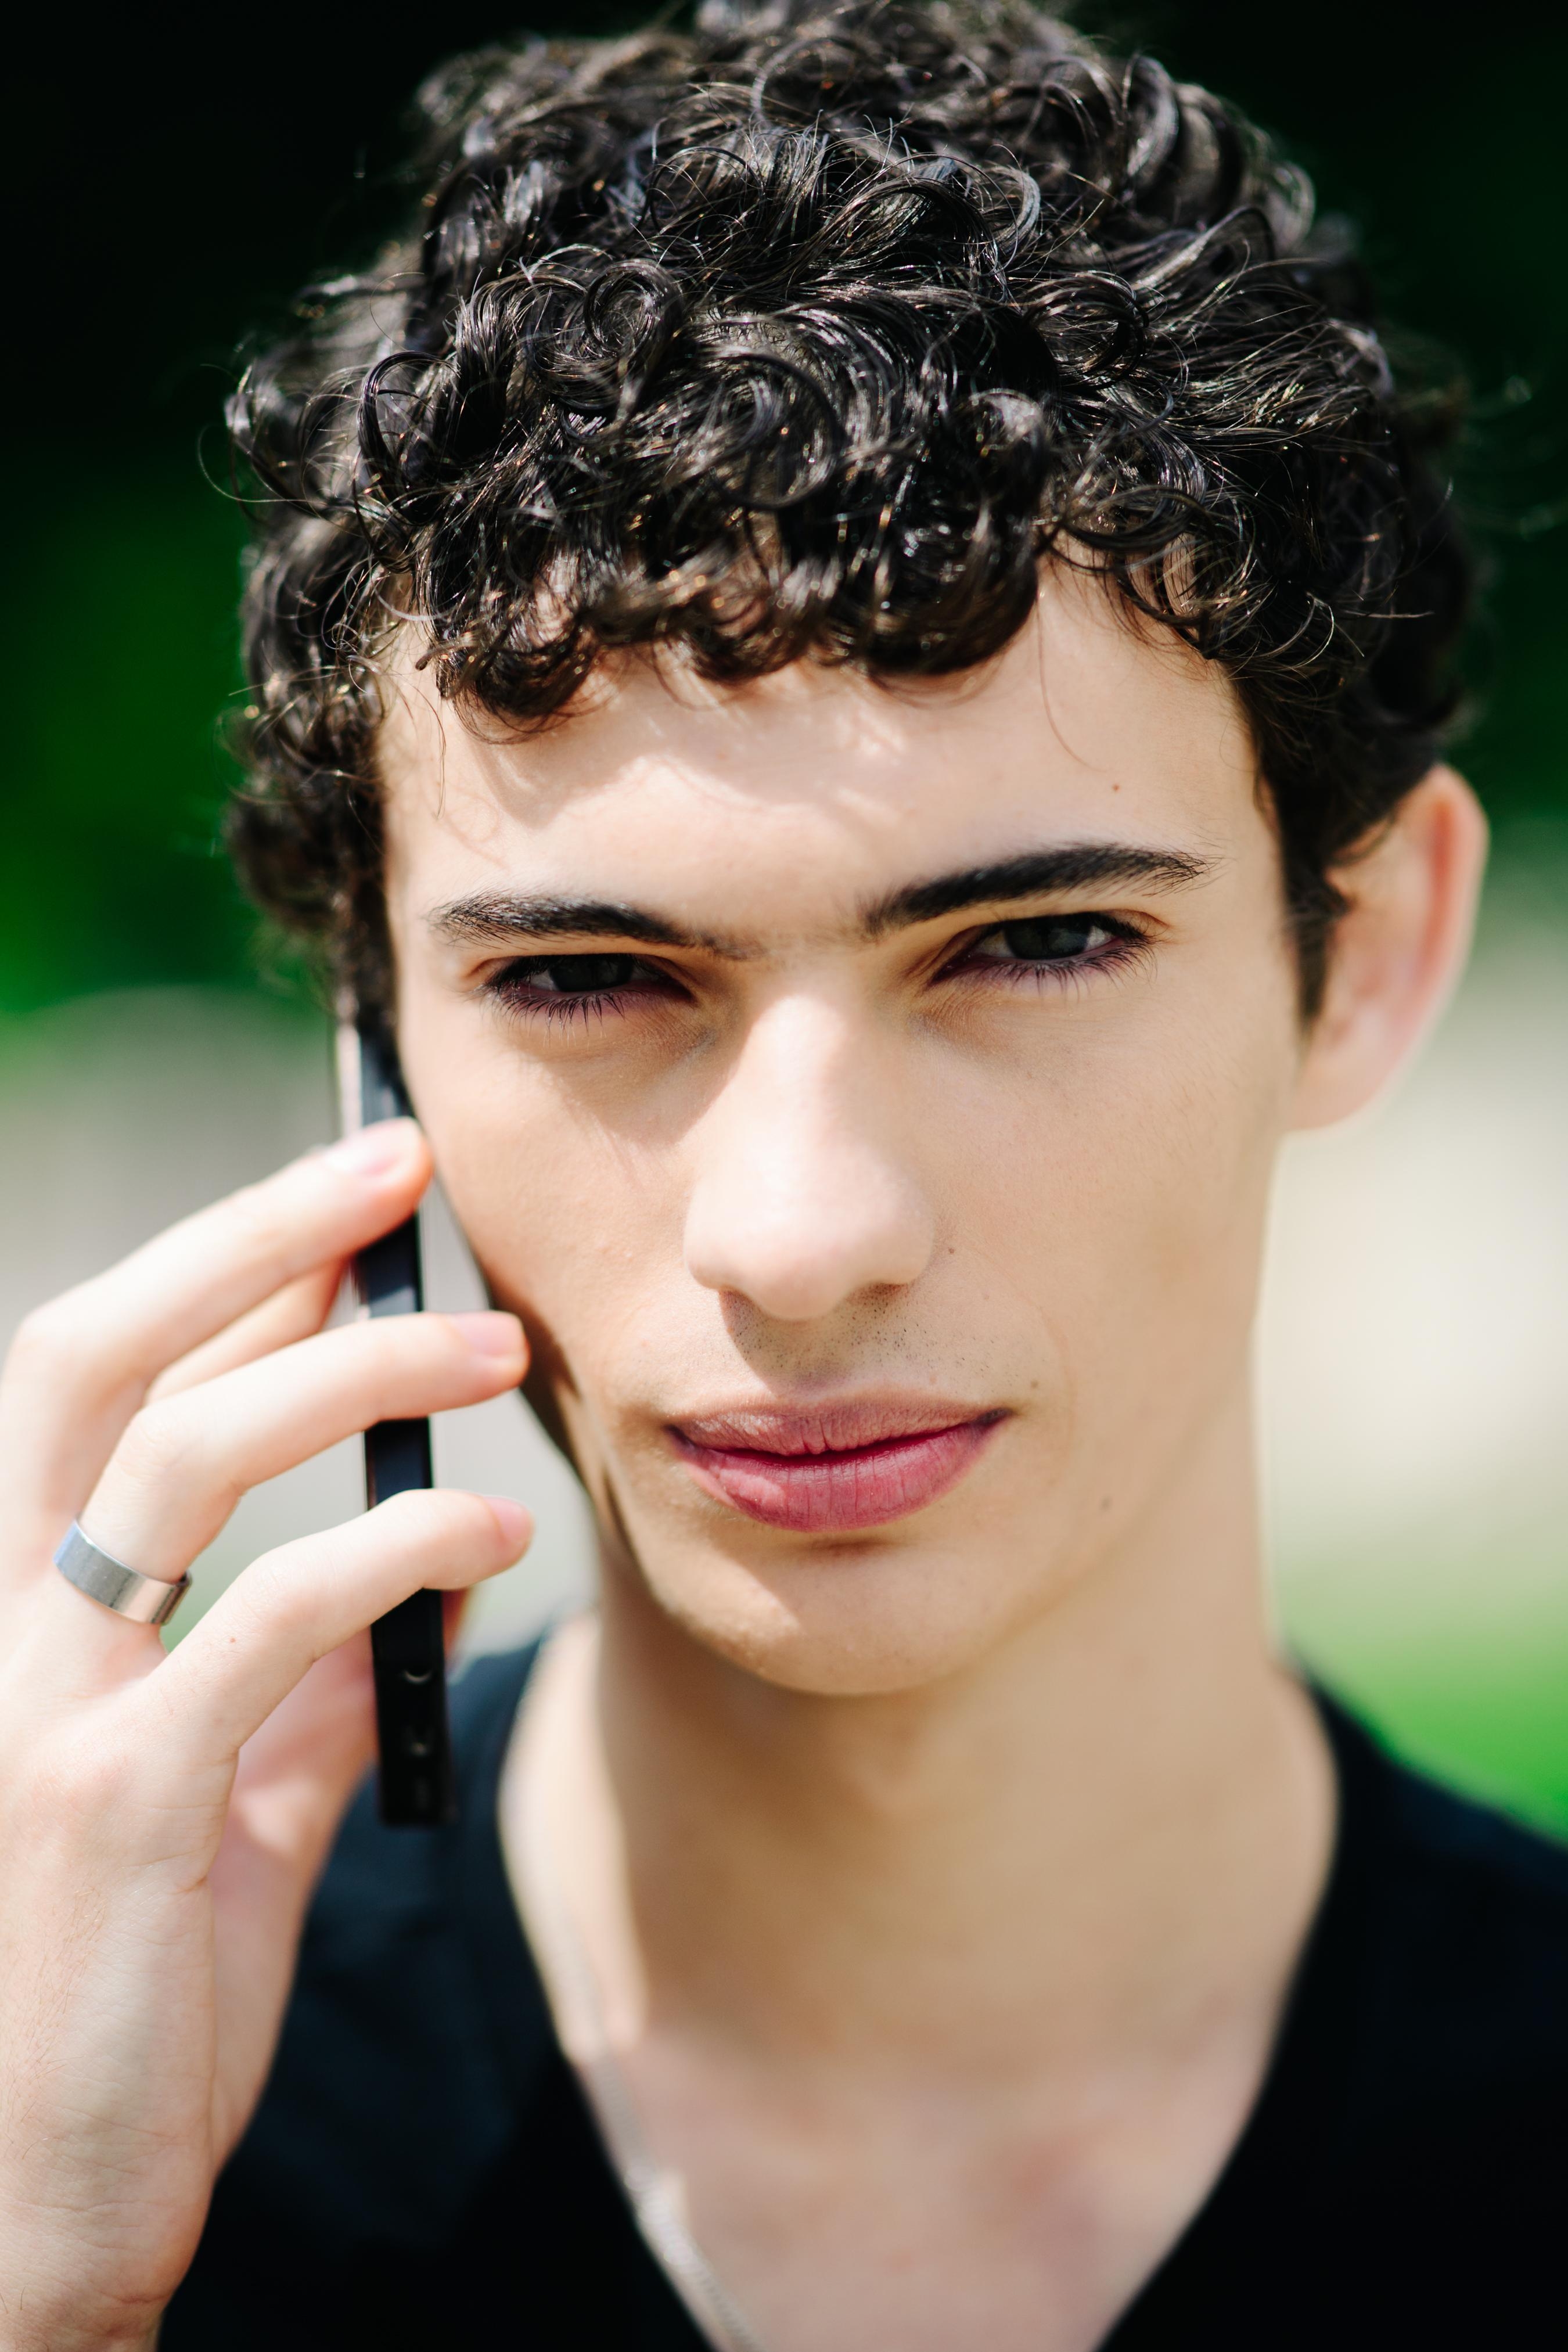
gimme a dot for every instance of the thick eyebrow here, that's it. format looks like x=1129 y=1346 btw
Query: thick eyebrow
x=496 y=916
x=1075 y=866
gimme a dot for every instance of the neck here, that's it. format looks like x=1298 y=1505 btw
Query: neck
x=1083 y=1844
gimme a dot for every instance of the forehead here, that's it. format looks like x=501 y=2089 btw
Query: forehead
x=810 y=789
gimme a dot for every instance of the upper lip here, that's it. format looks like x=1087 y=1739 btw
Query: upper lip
x=839 y=1425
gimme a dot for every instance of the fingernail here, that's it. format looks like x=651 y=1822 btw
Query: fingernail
x=373 y=1150
x=489 y=1335
x=516 y=1524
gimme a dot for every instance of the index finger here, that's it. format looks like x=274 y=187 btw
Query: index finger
x=80 y=1366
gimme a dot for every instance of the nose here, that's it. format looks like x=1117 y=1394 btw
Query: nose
x=802 y=1197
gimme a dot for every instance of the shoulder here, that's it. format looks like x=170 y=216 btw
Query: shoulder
x=417 y=2023
x=1471 y=1901
x=1457 y=1983
x=422 y=2160
x=1402 y=2177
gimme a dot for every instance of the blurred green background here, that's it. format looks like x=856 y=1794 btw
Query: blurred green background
x=180 y=179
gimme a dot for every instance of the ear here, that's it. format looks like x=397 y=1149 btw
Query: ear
x=1398 y=950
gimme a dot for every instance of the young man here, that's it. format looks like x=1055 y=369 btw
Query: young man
x=851 y=637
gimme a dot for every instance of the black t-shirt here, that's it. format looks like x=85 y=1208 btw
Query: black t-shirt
x=423 y=2171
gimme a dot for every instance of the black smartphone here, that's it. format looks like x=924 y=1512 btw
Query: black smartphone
x=408 y=1645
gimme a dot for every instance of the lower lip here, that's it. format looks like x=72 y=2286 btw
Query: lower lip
x=864 y=1486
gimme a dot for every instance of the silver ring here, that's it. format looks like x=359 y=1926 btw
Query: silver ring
x=145 y=1600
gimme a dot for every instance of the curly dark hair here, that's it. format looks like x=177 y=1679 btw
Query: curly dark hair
x=813 y=331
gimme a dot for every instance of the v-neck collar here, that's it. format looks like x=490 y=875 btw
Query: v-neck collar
x=1293 y=2121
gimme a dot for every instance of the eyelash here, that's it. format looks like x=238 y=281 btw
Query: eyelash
x=1124 y=942
x=561 y=1008
x=558 y=1008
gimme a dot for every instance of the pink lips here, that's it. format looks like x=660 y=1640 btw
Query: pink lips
x=845 y=1466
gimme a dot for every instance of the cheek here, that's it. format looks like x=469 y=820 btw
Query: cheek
x=1144 y=1234
x=569 y=1224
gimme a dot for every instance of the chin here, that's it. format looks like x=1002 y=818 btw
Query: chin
x=853 y=1621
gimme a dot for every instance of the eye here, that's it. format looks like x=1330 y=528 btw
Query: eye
x=559 y=986
x=1048 y=951
x=1046 y=939
x=575 y=975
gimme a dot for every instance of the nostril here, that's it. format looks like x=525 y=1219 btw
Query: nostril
x=803 y=1269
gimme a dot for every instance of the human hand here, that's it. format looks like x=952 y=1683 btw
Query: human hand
x=162 y=1818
